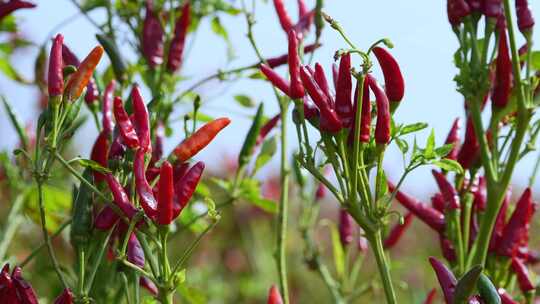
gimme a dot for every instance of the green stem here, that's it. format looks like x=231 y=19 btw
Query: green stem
x=43 y=245
x=97 y=261
x=14 y=220
x=375 y=239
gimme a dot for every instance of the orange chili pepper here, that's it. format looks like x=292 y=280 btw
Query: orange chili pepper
x=80 y=79
x=200 y=139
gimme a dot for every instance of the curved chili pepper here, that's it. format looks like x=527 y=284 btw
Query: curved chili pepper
x=503 y=76
x=302 y=9
x=446 y=278
x=457 y=10
x=266 y=128
x=480 y=194
x=148 y=285
x=492 y=8
x=108 y=94
x=304 y=23
x=117 y=61
x=500 y=222
x=135 y=253
x=251 y=138
x=365 y=116
x=393 y=78
x=81 y=219
x=120 y=197
x=142 y=121
x=165 y=196
x=8 y=294
x=92 y=93
x=430 y=298
x=176 y=50
x=25 y=292
x=382 y=127
x=428 y=215
x=152 y=37
x=344 y=107
x=276 y=80
x=125 y=126
x=80 y=79
x=283 y=16
x=346 y=228
x=397 y=231
x=144 y=190
x=6 y=8
x=321 y=80
x=186 y=186
x=516 y=231
x=296 y=87
x=448 y=191
x=453 y=138
x=447 y=248
x=505 y=297
x=200 y=139
x=100 y=154
x=522 y=274
x=56 y=65
x=284 y=59
x=66 y=297
x=525 y=18
x=437 y=202
x=332 y=122
x=106 y=219
x=273 y=296
x=469 y=151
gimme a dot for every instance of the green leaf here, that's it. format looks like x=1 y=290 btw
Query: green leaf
x=467 y=284
x=192 y=295
x=57 y=202
x=90 y=164
x=23 y=138
x=201 y=117
x=244 y=101
x=219 y=30
x=430 y=145
x=535 y=60
x=9 y=70
x=268 y=149
x=250 y=190
x=444 y=150
x=413 y=128
x=449 y=165
x=402 y=145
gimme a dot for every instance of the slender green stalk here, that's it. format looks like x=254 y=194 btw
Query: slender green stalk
x=375 y=240
x=12 y=225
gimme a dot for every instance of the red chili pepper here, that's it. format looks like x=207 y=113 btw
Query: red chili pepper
x=92 y=92
x=446 y=278
x=276 y=80
x=304 y=23
x=100 y=154
x=310 y=110
x=152 y=37
x=135 y=253
x=65 y=298
x=522 y=274
x=503 y=76
x=302 y=9
x=186 y=186
x=437 y=202
x=525 y=18
x=106 y=219
x=80 y=79
x=176 y=50
x=56 y=65
x=500 y=222
x=6 y=8
x=273 y=296
x=448 y=191
x=120 y=197
x=129 y=136
x=143 y=188
x=382 y=128
x=428 y=215
x=267 y=127
x=68 y=57
x=335 y=75
x=25 y=292
x=296 y=88
x=505 y=297
x=365 y=121
x=200 y=139
x=284 y=59
x=166 y=193
x=480 y=194
x=430 y=298
x=283 y=16
x=457 y=10
x=8 y=293
x=397 y=231
x=343 y=91
x=346 y=227
x=157 y=150
x=108 y=122
x=321 y=80
x=142 y=122
x=492 y=8
x=516 y=231
x=475 y=5
x=393 y=78
x=453 y=138
x=469 y=151
x=328 y=115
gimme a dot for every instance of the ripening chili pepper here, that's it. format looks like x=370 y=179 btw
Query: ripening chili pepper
x=505 y=297
x=127 y=131
x=176 y=50
x=273 y=296
x=480 y=195
x=100 y=154
x=142 y=121
x=251 y=138
x=393 y=78
x=165 y=195
x=457 y=10
x=344 y=107
x=492 y=8
x=266 y=128
x=56 y=65
x=397 y=231
x=200 y=139
x=80 y=79
x=428 y=215
x=120 y=197
x=25 y=292
x=447 y=248
x=430 y=298
x=382 y=127
x=108 y=95
x=283 y=16
x=525 y=18
x=475 y=5
x=437 y=202
x=365 y=115
x=106 y=219
x=321 y=80
x=152 y=37
x=81 y=219
x=284 y=59
x=446 y=278
x=503 y=76
x=453 y=138
x=135 y=253
x=66 y=297
x=276 y=80
x=500 y=222
x=186 y=186
x=448 y=191
x=143 y=188
x=147 y=284
x=92 y=93
x=470 y=149
x=6 y=8
x=296 y=87
x=332 y=122
x=346 y=228
x=117 y=61
x=522 y=274
x=516 y=231
x=302 y=9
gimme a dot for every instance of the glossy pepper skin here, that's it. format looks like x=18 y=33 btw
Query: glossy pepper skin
x=322 y=82
x=108 y=96
x=120 y=196
x=276 y=80
x=397 y=231
x=343 y=91
x=296 y=87
x=492 y=8
x=505 y=297
x=365 y=115
x=143 y=188
x=393 y=78
x=200 y=139
x=80 y=79
x=273 y=296
x=453 y=138
x=6 y=8
x=127 y=131
x=525 y=18
x=522 y=274
x=448 y=191
x=166 y=193
x=457 y=10
x=135 y=253
x=66 y=297
x=266 y=128
x=503 y=74
x=516 y=231
x=446 y=278
x=346 y=228
x=382 y=127
x=100 y=154
x=176 y=50
x=56 y=65
x=469 y=151
x=142 y=120
x=25 y=292
x=283 y=16
x=152 y=37
x=186 y=186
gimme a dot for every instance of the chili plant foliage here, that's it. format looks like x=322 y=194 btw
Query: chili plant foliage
x=136 y=212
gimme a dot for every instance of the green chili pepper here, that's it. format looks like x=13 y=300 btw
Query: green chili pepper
x=251 y=138
x=118 y=64
x=487 y=290
x=81 y=224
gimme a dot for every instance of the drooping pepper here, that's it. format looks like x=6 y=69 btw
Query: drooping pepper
x=500 y=223
x=56 y=65
x=365 y=115
x=525 y=18
x=430 y=296
x=273 y=296
x=176 y=50
x=152 y=37
x=448 y=191
x=382 y=127
x=129 y=136
x=457 y=10
x=80 y=79
x=120 y=197
x=100 y=154
x=320 y=79
x=105 y=219
x=200 y=139
x=276 y=80
x=503 y=74
x=135 y=253
x=147 y=284
x=492 y=8
x=480 y=195
x=397 y=231
x=447 y=248
x=283 y=15
x=522 y=274
x=343 y=91
x=516 y=231
x=296 y=87
x=142 y=121
x=446 y=278
x=143 y=188
x=274 y=62
x=266 y=128
x=393 y=78
x=108 y=95
x=346 y=228
x=302 y=9
x=6 y=8
x=66 y=297
x=505 y=297
x=428 y=215
x=453 y=138
x=186 y=186
x=165 y=195
x=469 y=151
x=25 y=292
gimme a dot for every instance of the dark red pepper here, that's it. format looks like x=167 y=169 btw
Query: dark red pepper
x=503 y=74
x=66 y=297
x=142 y=121
x=346 y=228
x=500 y=222
x=522 y=274
x=475 y=5
x=120 y=197
x=108 y=95
x=273 y=296
x=129 y=136
x=453 y=138
x=147 y=284
x=437 y=202
x=135 y=253
x=176 y=49
x=25 y=292
x=492 y=8
x=276 y=80
x=365 y=116
x=302 y=9
x=320 y=79
x=284 y=59
x=296 y=87
x=186 y=186
x=382 y=127
x=6 y=8
x=397 y=231
x=469 y=151
x=56 y=65
x=143 y=188
x=447 y=248
x=448 y=191
x=457 y=10
x=100 y=154
x=166 y=193
x=343 y=92
x=446 y=278
x=516 y=231
x=525 y=18
x=283 y=16
x=106 y=219
x=267 y=127
x=430 y=298
x=505 y=297
x=393 y=78
x=152 y=37
x=480 y=195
